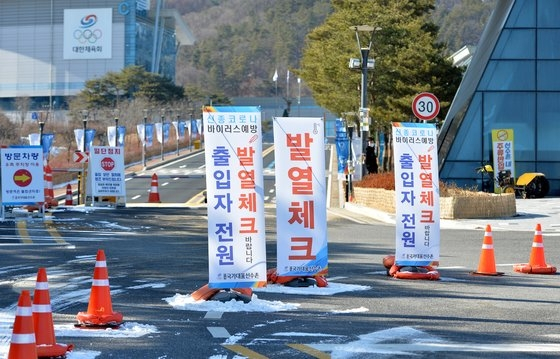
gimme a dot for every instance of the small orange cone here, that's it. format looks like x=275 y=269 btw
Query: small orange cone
x=100 y=309
x=43 y=321
x=22 y=345
x=487 y=264
x=154 y=195
x=69 y=200
x=537 y=263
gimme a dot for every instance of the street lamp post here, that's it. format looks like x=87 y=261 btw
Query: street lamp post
x=191 y=117
x=82 y=180
x=85 y=114
x=350 y=164
x=365 y=64
x=144 y=139
x=116 y=117
x=41 y=129
x=162 y=134
x=299 y=94
x=177 y=129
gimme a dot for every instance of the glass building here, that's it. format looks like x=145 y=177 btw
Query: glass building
x=512 y=82
x=49 y=48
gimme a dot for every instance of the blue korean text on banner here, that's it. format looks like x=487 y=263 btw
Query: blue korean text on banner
x=166 y=127
x=417 y=217
x=121 y=133
x=149 y=131
x=90 y=135
x=48 y=139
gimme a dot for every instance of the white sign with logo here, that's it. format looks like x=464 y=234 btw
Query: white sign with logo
x=87 y=34
x=22 y=175
x=106 y=171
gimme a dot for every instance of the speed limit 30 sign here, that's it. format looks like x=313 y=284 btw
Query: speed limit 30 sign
x=425 y=106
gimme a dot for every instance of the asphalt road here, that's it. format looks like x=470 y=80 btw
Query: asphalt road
x=156 y=253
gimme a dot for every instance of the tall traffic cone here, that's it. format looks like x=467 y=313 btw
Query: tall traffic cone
x=50 y=201
x=100 y=309
x=69 y=200
x=537 y=263
x=154 y=195
x=487 y=264
x=22 y=345
x=43 y=321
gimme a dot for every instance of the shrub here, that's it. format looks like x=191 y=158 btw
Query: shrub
x=386 y=180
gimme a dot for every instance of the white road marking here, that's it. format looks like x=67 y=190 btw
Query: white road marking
x=213 y=315
x=218 y=332
x=446 y=347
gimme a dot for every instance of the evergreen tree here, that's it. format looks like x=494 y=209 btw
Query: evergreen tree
x=408 y=60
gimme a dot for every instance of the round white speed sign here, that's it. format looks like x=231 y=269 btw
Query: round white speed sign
x=425 y=106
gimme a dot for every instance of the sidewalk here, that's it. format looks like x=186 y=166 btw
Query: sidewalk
x=530 y=212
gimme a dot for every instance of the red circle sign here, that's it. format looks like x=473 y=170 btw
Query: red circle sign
x=22 y=177
x=107 y=164
x=425 y=106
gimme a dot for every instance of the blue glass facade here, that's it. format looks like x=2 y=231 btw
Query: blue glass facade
x=144 y=41
x=513 y=82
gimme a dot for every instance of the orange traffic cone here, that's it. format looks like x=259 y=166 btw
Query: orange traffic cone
x=204 y=293
x=537 y=263
x=100 y=309
x=50 y=201
x=43 y=321
x=487 y=264
x=69 y=200
x=154 y=195
x=22 y=345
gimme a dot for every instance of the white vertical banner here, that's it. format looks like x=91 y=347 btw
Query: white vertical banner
x=141 y=130
x=357 y=158
x=34 y=139
x=159 y=131
x=235 y=197
x=112 y=136
x=80 y=138
x=301 y=210
x=176 y=127
x=416 y=194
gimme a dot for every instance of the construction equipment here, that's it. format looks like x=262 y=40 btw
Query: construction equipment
x=528 y=185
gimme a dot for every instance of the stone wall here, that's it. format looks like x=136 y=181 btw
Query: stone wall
x=490 y=206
